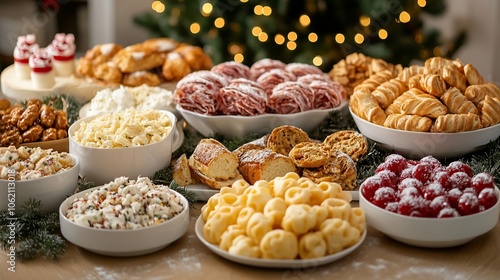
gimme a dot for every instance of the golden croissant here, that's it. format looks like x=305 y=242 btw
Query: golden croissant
x=408 y=122
x=395 y=107
x=477 y=93
x=375 y=80
x=457 y=123
x=410 y=71
x=434 y=64
x=457 y=103
x=453 y=77
x=363 y=104
x=472 y=75
x=430 y=83
x=388 y=91
x=490 y=111
x=424 y=105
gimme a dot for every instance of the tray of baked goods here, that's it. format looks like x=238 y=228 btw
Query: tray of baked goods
x=286 y=149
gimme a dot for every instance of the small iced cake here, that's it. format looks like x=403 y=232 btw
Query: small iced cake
x=42 y=74
x=25 y=46
x=62 y=50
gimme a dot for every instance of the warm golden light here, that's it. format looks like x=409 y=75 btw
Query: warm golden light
x=206 y=9
x=313 y=37
x=404 y=17
x=234 y=49
x=317 y=60
x=263 y=37
x=239 y=57
x=418 y=38
x=256 y=31
x=292 y=36
x=195 y=27
x=364 y=20
x=304 y=20
x=279 y=39
x=359 y=38
x=266 y=11
x=382 y=34
x=158 y=6
x=291 y=45
x=258 y=10
x=219 y=22
x=437 y=51
x=339 y=38
x=422 y=3
x=244 y=1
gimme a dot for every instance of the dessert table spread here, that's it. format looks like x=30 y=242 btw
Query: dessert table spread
x=378 y=257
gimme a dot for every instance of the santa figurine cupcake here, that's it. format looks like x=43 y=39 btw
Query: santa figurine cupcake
x=42 y=74
x=62 y=50
x=25 y=46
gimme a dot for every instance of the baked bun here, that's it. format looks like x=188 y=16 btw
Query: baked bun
x=264 y=164
x=108 y=72
x=139 y=78
x=175 y=67
x=97 y=55
x=138 y=57
x=195 y=57
x=283 y=138
x=214 y=160
x=162 y=45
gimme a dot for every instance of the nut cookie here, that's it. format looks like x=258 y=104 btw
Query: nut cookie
x=283 y=138
x=340 y=168
x=350 y=142
x=309 y=154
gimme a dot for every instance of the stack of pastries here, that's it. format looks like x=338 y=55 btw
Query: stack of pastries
x=442 y=95
x=151 y=62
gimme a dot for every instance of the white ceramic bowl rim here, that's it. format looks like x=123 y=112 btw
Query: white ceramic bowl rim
x=75 y=165
x=62 y=212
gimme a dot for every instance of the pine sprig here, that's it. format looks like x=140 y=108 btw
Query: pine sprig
x=65 y=103
x=165 y=177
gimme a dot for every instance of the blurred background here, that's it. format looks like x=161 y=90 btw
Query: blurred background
x=315 y=32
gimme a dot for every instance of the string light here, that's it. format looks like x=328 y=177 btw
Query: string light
x=364 y=20
x=219 y=22
x=239 y=57
x=234 y=49
x=418 y=38
x=263 y=37
x=258 y=10
x=422 y=3
x=292 y=36
x=291 y=45
x=339 y=38
x=206 y=9
x=158 y=6
x=279 y=39
x=359 y=38
x=304 y=20
x=244 y=1
x=404 y=17
x=313 y=37
x=382 y=34
x=437 y=51
x=256 y=31
x=194 y=27
x=317 y=60
x=267 y=11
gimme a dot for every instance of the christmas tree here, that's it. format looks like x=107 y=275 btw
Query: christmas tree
x=319 y=32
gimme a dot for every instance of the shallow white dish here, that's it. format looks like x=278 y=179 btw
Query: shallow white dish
x=124 y=242
x=420 y=144
x=274 y=263
x=231 y=126
x=430 y=232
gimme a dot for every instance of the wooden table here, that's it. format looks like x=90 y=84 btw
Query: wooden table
x=379 y=257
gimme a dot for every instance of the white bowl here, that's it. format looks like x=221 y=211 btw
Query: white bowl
x=123 y=242
x=231 y=126
x=100 y=165
x=50 y=190
x=430 y=232
x=416 y=145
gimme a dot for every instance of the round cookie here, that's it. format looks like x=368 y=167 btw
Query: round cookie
x=340 y=168
x=309 y=154
x=283 y=138
x=350 y=142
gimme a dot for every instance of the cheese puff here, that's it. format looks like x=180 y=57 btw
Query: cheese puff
x=232 y=231
x=306 y=183
x=281 y=184
x=244 y=246
x=261 y=183
x=231 y=199
x=321 y=215
x=338 y=234
x=337 y=208
x=257 y=197
x=279 y=244
x=258 y=225
x=240 y=186
x=209 y=206
x=275 y=209
x=244 y=216
x=330 y=189
x=298 y=219
x=312 y=245
x=345 y=195
x=297 y=195
x=357 y=218
x=217 y=223
x=225 y=190
x=317 y=196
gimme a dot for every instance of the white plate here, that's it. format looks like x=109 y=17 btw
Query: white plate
x=204 y=192
x=274 y=263
x=231 y=126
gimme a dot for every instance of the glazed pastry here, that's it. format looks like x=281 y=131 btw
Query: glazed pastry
x=434 y=64
x=375 y=80
x=138 y=57
x=472 y=75
x=410 y=71
x=195 y=57
x=163 y=45
x=96 y=56
x=457 y=123
x=139 y=78
x=364 y=105
x=457 y=103
x=388 y=91
x=108 y=73
x=427 y=106
x=490 y=111
x=477 y=93
x=430 y=83
x=175 y=67
x=395 y=107
x=408 y=122
x=453 y=77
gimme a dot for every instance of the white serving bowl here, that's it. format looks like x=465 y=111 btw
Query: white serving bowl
x=430 y=232
x=123 y=242
x=416 y=145
x=50 y=190
x=100 y=165
x=231 y=126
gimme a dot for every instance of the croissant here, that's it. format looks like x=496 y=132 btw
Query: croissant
x=408 y=122
x=490 y=111
x=388 y=91
x=453 y=77
x=425 y=106
x=364 y=105
x=457 y=123
x=457 y=103
x=477 y=93
x=472 y=75
x=375 y=80
x=410 y=71
x=434 y=64
x=395 y=107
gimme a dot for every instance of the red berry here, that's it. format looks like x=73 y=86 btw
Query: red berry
x=448 y=212
x=453 y=196
x=487 y=198
x=433 y=190
x=383 y=196
x=410 y=182
x=435 y=163
x=392 y=207
x=468 y=204
x=369 y=186
x=406 y=173
x=410 y=191
x=469 y=190
x=389 y=178
x=412 y=206
x=458 y=166
x=395 y=163
x=481 y=181
x=437 y=204
x=459 y=180
x=441 y=177
x=422 y=172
